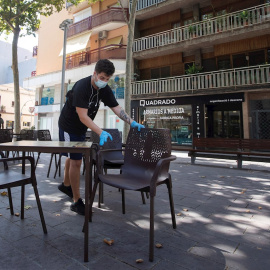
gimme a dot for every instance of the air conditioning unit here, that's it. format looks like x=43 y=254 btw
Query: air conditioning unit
x=102 y=34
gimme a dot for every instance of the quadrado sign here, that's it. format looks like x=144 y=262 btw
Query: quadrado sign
x=155 y=102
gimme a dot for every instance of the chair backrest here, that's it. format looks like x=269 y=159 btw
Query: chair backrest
x=31 y=135
x=44 y=135
x=144 y=149
x=116 y=143
x=6 y=135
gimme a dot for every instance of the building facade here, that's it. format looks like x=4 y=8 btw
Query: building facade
x=202 y=68
x=27 y=106
x=98 y=31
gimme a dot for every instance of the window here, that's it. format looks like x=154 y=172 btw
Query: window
x=47 y=97
x=224 y=62
x=176 y=25
x=26 y=124
x=239 y=60
x=9 y=124
x=12 y=103
x=79 y=16
x=207 y=16
x=221 y=12
x=162 y=72
x=187 y=22
x=209 y=64
x=256 y=58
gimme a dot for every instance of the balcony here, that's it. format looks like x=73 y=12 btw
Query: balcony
x=142 y=4
x=87 y=58
x=230 y=78
x=224 y=28
x=150 y=8
x=111 y=15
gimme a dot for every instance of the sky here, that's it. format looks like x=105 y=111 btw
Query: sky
x=27 y=42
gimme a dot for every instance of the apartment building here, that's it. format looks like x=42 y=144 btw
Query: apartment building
x=98 y=31
x=27 y=106
x=202 y=68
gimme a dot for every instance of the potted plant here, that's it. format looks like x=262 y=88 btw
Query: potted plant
x=244 y=15
x=192 y=30
x=193 y=69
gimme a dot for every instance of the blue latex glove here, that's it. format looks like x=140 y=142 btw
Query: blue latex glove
x=103 y=137
x=134 y=124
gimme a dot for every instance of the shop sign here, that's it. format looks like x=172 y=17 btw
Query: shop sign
x=225 y=100
x=156 y=102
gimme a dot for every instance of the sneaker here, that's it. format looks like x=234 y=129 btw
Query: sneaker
x=66 y=190
x=78 y=207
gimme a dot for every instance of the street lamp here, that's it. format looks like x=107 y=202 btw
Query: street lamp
x=64 y=26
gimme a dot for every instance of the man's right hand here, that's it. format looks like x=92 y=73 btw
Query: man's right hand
x=104 y=137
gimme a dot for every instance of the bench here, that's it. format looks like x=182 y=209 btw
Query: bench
x=231 y=148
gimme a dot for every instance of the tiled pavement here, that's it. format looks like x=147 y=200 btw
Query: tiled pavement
x=226 y=224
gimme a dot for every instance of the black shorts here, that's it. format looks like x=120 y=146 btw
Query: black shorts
x=68 y=137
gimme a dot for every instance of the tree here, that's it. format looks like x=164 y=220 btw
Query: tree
x=18 y=15
x=131 y=26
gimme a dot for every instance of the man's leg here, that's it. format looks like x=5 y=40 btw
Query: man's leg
x=66 y=173
x=74 y=177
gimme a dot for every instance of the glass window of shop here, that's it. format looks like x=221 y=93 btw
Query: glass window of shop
x=177 y=118
x=47 y=97
x=9 y=124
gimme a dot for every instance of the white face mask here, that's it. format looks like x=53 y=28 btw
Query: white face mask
x=100 y=83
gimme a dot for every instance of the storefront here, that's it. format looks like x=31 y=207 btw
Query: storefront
x=188 y=117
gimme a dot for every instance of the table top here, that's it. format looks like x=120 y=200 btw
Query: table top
x=46 y=146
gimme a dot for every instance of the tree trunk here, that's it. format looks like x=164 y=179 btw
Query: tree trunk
x=129 y=59
x=15 y=69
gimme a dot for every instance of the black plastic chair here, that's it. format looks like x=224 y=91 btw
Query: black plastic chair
x=45 y=135
x=146 y=165
x=112 y=160
x=10 y=179
x=6 y=135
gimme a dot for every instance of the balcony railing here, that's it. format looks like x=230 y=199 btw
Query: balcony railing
x=87 y=58
x=142 y=4
x=224 y=23
x=106 y=16
x=247 y=76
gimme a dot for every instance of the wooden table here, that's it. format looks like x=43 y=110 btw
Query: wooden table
x=60 y=147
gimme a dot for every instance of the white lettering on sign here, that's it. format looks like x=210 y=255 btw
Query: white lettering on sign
x=154 y=102
x=164 y=111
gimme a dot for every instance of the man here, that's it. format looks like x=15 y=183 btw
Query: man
x=77 y=116
x=1 y=122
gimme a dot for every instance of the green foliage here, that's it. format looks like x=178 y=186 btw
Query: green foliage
x=244 y=15
x=193 y=69
x=17 y=15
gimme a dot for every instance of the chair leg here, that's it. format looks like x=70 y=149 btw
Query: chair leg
x=123 y=201
x=99 y=195
x=37 y=159
x=22 y=201
x=92 y=199
x=40 y=209
x=58 y=166
x=49 y=169
x=151 y=233
x=169 y=186
x=143 y=199
x=10 y=202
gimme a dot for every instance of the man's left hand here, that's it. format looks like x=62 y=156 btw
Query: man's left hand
x=134 y=124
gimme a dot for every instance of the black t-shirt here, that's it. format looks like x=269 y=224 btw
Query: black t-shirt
x=84 y=95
